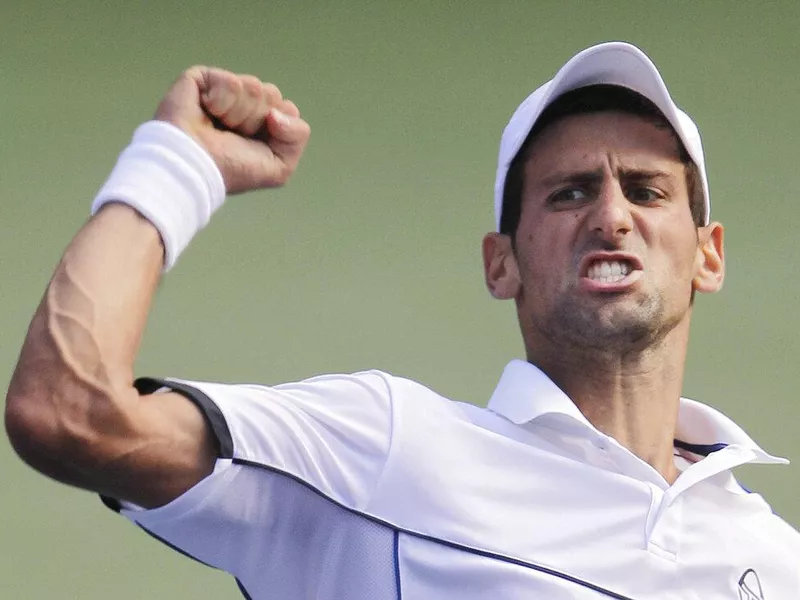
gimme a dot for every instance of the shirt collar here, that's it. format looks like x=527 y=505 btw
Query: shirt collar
x=525 y=394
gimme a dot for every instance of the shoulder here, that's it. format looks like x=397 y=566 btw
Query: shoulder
x=774 y=533
x=781 y=534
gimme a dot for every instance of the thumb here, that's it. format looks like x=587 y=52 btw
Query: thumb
x=181 y=105
x=288 y=135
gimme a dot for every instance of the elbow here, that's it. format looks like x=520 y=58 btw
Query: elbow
x=43 y=435
x=25 y=420
x=63 y=409
x=21 y=429
x=65 y=404
x=32 y=432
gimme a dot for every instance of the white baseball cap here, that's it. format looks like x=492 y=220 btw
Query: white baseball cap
x=614 y=63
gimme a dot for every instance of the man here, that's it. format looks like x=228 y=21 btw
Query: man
x=588 y=476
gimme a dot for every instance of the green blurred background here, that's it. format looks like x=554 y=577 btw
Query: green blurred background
x=370 y=257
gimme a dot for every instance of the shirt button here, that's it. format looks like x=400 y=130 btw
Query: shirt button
x=601 y=444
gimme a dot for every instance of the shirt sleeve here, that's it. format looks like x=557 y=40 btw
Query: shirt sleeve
x=329 y=436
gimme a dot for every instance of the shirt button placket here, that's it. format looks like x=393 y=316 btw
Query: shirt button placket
x=665 y=536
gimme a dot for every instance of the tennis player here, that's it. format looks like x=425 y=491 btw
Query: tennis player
x=587 y=476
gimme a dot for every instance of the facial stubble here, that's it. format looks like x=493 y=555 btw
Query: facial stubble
x=607 y=322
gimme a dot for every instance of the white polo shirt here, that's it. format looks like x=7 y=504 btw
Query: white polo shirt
x=374 y=487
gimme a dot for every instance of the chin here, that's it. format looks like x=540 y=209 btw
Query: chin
x=608 y=327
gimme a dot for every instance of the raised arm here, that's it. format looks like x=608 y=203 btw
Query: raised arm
x=71 y=410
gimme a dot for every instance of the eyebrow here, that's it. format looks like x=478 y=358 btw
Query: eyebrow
x=596 y=176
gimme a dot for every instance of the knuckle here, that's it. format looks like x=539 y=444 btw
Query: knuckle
x=251 y=85
x=231 y=82
x=222 y=92
x=272 y=93
x=290 y=108
x=222 y=80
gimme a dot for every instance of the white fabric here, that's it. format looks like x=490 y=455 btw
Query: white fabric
x=371 y=486
x=170 y=180
x=614 y=63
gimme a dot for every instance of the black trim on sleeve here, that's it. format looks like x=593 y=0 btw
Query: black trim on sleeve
x=212 y=413
x=111 y=503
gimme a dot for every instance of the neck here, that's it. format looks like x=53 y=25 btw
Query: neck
x=633 y=396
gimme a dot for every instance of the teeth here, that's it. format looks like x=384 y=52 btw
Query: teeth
x=609 y=271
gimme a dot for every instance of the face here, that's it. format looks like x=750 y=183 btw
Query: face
x=607 y=255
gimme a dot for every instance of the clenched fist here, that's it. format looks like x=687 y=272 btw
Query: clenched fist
x=254 y=135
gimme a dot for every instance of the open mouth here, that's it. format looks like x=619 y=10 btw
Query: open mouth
x=610 y=271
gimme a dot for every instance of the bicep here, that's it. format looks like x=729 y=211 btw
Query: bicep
x=164 y=447
x=140 y=447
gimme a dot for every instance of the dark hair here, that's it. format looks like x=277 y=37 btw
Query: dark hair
x=585 y=100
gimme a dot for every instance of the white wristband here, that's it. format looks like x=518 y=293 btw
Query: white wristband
x=168 y=178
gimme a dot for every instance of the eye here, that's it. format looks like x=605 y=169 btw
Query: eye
x=568 y=196
x=643 y=195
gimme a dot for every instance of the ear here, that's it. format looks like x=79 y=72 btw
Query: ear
x=710 y=260
x=500 y=266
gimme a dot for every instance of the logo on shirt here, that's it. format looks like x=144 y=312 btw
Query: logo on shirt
x=750 y=586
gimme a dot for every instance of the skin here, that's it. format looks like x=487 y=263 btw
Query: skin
x=609 y=185
x=71 y=410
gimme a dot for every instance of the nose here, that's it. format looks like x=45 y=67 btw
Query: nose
x=610 y=214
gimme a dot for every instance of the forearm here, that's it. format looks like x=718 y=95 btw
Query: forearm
x=72 y=411
x=103 y=288
x=75 y=372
